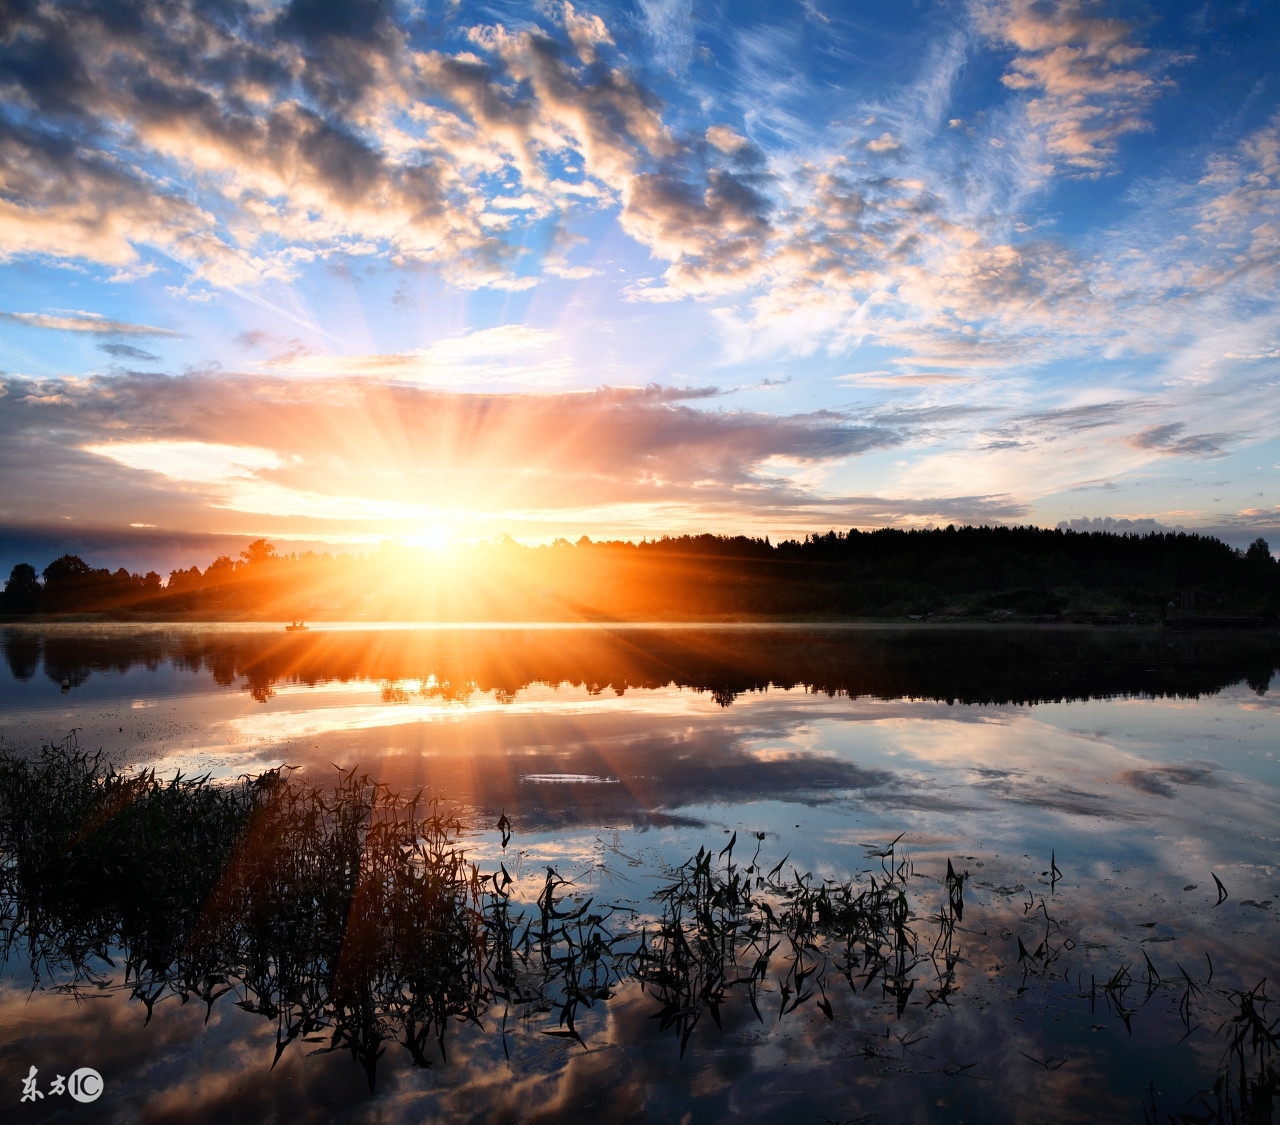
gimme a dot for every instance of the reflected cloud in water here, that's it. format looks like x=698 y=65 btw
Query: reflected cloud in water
x=1087 y=799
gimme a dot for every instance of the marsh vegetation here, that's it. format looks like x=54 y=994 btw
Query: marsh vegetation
x=353 y=918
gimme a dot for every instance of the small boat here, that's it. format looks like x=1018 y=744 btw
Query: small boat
x=295 y=627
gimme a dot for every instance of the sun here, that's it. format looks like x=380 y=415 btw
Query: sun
x=433 y=537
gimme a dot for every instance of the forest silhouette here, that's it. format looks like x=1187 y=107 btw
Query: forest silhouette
x=983 y=573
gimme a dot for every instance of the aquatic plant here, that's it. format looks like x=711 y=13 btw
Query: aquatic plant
x=351 y=911
x=721 y=927
x=352 y=917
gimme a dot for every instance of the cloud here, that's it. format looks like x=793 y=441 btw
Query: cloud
x=1087 y=82
x=246 y=150
x=1161 y=780
x=512 y=353
x=886 y=142
x=91 y=323
x=201 y=462
x=725 y=140
x=249 y=150
x=1078 y=419
x=586 y=32
x=669 y=25
x=715 y=236
x=242 y=148
x=889 y=380
x=556 y=260
x=1169 y=438
x=348 y=453
x=128 y=351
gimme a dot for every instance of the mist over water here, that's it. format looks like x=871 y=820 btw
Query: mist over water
x=1088 y=787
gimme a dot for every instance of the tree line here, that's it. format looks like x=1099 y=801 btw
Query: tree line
x=944 y=573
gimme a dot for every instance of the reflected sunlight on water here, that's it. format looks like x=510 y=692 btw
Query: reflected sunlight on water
x=1088 y=803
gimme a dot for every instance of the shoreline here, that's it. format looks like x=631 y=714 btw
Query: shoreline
x=79 y=621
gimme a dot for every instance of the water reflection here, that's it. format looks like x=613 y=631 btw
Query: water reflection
x=968 y=981
x=352 y=918
x=973 y=665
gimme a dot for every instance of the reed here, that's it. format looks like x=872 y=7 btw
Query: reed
x=352 y=917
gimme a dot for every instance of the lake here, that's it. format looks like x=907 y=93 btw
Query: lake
x=674 y=874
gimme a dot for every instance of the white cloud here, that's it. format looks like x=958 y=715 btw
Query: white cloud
x=724 y=139
x=510 y=354
x=1086 y=81
x=193 y=461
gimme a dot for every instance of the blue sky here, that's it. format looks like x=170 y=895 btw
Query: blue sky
x=344 y=272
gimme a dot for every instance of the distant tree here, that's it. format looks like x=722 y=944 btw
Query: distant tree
x=71 y=584
x=185 y=579
x=66 y=568
x=22 y=591
x=259 y=551
x=1259 y=551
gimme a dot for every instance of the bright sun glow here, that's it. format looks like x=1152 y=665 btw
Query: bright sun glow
x=433 y=537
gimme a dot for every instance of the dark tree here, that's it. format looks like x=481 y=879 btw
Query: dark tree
x=22 y=591
x=66 y=568
x=1259 y=552
x=72 y=585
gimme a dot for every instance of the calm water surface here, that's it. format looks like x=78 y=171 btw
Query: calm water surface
x=1143 y=762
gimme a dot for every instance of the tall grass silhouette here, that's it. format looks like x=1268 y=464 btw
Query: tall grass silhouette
x=352 y=917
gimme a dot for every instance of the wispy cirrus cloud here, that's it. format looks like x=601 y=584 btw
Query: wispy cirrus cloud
x=92 y=323
x=511 y=354
x=1171 y=437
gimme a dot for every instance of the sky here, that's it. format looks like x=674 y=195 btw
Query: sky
x=344 y=272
